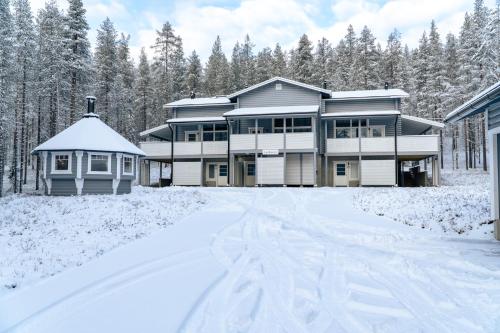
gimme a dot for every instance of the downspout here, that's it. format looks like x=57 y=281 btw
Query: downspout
x=229 y=182
x=171 y=154
x=396 y=149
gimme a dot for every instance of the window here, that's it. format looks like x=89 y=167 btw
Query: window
x=278 y=125
x=211 y=171
x=251 y=169
x=377 y=131
x=223 y=170
x=279 y=86
x=100 y=163
x=341 y=169
x=191 y=136
x=215 y=132
x=297 y=125
x=342 y=132
x=61 y=162
x=128 y=165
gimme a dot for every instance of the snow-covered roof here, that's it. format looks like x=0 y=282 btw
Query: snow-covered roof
x=361 y=113
x=274 y=110
x=162 y=131
x=195 y=120
x=423 y=121
x=90 y=134
x=199 y=101
x=469 y=107
x=277 y=78
x=369 y=94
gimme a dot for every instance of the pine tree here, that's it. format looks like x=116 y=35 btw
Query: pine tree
x=217 y=72
x=124 y=89
x=346 y=53
x=247 y=63
x=143 y=93
x=25 y=50
x=421 y=77
x=393 y=60
x=366 y=62
x=323 y=63
x=302 y=61
x=194 y=74
x=437 y=80
x=236 y=74
x=6 y=76
x=178 y=72
x=79 y=58
x=106 y=60
x=279 y=62
x=264 y=66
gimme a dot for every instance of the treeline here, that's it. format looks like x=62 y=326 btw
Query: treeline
x=47 y=68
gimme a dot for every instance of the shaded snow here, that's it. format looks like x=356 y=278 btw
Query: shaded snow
x=459 y=207
x=41 y=235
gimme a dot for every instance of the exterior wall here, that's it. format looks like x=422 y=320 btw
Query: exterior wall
x=494 y=116
x=378 y=172
x=270 y=170
x=187 y=173
x=63 y=187
x=124 y=187
x=268 y=96
x=360 y=105
x=97 y=186
x=293 y=172
x=202 y=111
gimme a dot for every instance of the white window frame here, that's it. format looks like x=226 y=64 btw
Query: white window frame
x=187 y=133
x=70 y=164
x=89 y=164
x=123 y=165
x=380 y=127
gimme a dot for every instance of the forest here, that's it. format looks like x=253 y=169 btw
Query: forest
x=48 y=65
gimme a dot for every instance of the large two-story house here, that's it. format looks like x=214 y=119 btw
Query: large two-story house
x=286 y=133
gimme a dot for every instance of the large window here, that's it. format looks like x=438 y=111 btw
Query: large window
x=100 y=163
x=128 y=165
x=293 y=125
x=61 y=162
x=350 y=129
x=214 y=132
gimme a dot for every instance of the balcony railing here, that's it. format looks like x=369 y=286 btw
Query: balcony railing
x=274 y=141
x=187 y=148
x=159 y=149
x=407 y=144
x=214 y=147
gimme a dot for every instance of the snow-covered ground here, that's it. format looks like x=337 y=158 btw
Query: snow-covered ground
x=272 y=260
x=459 y=207
x=41 y=235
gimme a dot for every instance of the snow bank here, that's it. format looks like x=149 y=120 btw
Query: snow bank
x=459 y=207
x=41 y=235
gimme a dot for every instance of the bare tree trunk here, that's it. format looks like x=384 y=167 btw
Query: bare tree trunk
x=39 y=116
x=442 y=148
x=466 y=145
x=26 y=159
x=483 y=139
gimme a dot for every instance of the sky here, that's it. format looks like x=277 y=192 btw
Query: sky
x=270 y=21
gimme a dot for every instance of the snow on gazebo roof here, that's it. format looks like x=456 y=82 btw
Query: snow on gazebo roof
x=89 y=134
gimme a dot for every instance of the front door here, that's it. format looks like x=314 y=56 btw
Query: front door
x=340 y=173
x=217 y=174
x=249 y=174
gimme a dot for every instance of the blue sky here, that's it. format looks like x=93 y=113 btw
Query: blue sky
x=271 y=21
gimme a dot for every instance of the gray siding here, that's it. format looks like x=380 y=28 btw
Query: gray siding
x=97 y=186
x=202 y=111
x=268 y=96
x=360 y=105
x=494 y=116
x=63 y=187
x=124 y=187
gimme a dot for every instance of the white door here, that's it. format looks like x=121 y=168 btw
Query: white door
x=217 y=173
x=249 y=174
x=340 y=173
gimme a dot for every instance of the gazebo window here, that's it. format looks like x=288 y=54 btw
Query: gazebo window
x=61 y=162
x=128 y=165
x=99 y=163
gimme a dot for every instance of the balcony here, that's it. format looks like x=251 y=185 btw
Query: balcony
x=214 y=147
x=273 y=141
x=187 y=148
x=156 y=149
x=407 y=145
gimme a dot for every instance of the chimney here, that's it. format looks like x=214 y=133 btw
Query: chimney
x=90 y=107
x=192 y=95
x=386 y=85
x=325 y=84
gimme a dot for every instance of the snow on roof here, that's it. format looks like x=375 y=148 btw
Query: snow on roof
x=90 y=134
x=277 y=78
x=272 y=110
x=362 y=94
x=423 y=121
x=465 y=106
x=195 y=120
x=199 y=101
x=361 y=113
x=154 y=130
